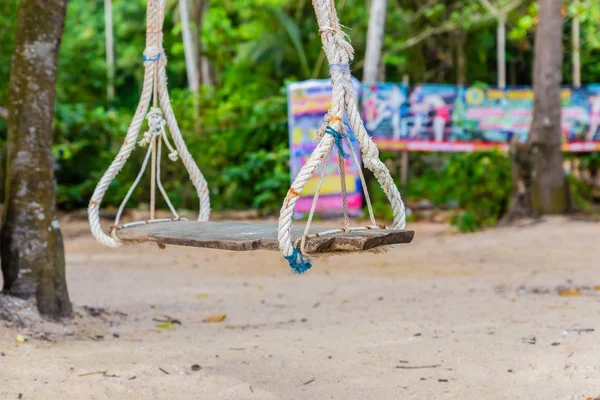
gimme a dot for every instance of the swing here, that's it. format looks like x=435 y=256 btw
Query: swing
x=293 y=242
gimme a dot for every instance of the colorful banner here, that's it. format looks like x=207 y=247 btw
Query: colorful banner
x=428 y=117
x=435 y=117
x=500 y=114
x=594 y=102
x=393 y=112
x=308 y=103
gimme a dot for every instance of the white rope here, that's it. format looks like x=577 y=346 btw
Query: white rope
x=152 y=54
x=196 y=176
x=313 y=206
x=156 y=130
x=363 y=181
x=159 y=182
x=342 y=167
x=339 y=53
x=137 y=180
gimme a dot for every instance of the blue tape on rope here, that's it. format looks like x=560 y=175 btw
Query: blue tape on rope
x=338 y=140
x=344 y=68
x=297 y=262
x=144 y=58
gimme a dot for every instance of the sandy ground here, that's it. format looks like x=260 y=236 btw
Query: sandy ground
x=448 y=317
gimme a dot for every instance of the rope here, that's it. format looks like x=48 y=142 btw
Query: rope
x=154 y=59
x=362 y=181
x=338 y=140
x=159 y=181
x=342 y=168
x=339 y=54
x=144 y=58
x=313 y=206
x=158 y=44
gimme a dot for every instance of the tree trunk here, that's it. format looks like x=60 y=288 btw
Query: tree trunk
x=501 y=49
x=190 y=55
x=374 y=41
x=461 y=62
x=540 y=160
x=521 y=169
x=110 y=50
x=576 y=52
x=31 y=245
x=550 y=189
x=204 y=65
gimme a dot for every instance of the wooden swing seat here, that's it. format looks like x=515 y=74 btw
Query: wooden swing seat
x=244 y=236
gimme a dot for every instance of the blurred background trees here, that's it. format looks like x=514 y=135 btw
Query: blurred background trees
x=246 y=51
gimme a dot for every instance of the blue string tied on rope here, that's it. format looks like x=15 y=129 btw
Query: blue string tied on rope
x=297 y=262
x=338 y=140
x=343 y=68
x=151 y=59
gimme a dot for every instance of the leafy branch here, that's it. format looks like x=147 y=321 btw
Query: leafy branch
x=452 y=26
x=449 y=27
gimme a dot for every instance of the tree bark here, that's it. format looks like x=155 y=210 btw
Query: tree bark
x=540 y=160
x=550 y=189
x=31 y=244
x=191 y=65
x=374 y=41
x=204 y=65
x=501 y=48
x=576 y=52
x=461 y=62
x=110 y=50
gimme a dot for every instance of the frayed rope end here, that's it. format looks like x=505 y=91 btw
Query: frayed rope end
x=297 y=262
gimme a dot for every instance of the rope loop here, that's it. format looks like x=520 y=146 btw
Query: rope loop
x=338 y=136
x=298 y=263
x=154 y=88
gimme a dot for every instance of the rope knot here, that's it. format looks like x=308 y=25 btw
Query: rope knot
x=328 y=119
x=297 y=262
x=174 y=155
x=156 y=124
x=328 y=29
x=338 y=140
x=153 y=54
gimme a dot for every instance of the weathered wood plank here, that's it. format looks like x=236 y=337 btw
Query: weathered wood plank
x=243 y=236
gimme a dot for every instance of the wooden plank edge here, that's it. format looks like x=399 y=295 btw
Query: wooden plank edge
x=318 y=245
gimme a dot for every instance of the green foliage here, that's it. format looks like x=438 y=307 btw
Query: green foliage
x=83 y=151
x=237 y=129
x=581 y=190
x=478 y=183
x=260 y=181
x=580 y=193
x=8 y=11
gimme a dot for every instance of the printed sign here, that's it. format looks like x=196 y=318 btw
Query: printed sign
x=308 y=103
x=450 y=118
